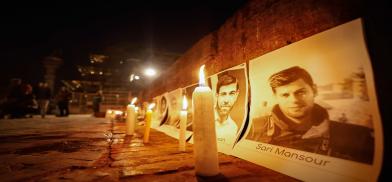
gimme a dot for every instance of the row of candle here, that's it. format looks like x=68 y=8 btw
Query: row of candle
x=205 y=146
x=132 y=118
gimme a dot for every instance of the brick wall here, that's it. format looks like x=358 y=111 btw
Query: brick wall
x=257 y=28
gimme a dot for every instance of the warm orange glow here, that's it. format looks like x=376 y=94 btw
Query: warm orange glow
x=184 y=103
x=202 y=81
x=133 y=100
x=151 y=106
x=116 y=112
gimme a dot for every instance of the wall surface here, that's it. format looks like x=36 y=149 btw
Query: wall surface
x=259 y=27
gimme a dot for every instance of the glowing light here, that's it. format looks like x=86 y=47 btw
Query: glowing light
x=151 y=106
x=118 y=112
x=133 y=100
x=137 y=77
x=184 y=103
x=150 y=72
x=131 y=77
x=202 y=81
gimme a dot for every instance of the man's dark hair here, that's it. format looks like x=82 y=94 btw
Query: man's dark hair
x=289 y=75
x=226 y=79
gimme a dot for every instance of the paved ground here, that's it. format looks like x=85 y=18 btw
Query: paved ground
x=84 y=148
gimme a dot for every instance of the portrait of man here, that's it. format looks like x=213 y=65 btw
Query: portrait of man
x=163 y=105
x=227 y=91
x=163 y=110
x=297 y=122
x=313 y=107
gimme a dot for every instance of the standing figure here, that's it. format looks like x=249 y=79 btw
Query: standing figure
x=97 y=99
x=14 y=96
x=43 y=95
x=83 y=102
x=63 y=98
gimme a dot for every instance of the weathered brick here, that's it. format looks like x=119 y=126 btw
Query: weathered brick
x=257 y=28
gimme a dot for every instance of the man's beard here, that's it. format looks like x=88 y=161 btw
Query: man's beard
x=224 y=111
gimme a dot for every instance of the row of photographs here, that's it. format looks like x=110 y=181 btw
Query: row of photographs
x=308 y=110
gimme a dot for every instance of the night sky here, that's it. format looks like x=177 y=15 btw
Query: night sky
x=29 y=32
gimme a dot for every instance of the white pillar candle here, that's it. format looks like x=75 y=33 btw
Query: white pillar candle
x=205 y=147
x=113 y=115
x=130 y=122
x=183 y=121
x=108 y=114
x=135 y=124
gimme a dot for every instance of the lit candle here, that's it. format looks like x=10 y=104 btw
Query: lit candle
x=136 y=115
x=130 y=122
x=183 y=121
x=112 y=115
x=108 y=114
x=205 y=147
x=148 y=123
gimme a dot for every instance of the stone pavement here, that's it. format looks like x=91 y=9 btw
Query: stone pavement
x=84 y=148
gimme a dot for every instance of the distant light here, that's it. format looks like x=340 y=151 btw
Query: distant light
x=92 y=72
x=151 y=106
x=101 y=73
x=150 y=72
x=131 y=77
x=133 y=100
x=116 y=112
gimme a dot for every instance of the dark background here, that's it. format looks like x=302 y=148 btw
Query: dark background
x=378 y=39
x=74 y=29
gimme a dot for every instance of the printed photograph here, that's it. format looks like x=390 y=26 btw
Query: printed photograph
x=174 y=103
x=230 y=97
x=162 y=109
x=315 y=98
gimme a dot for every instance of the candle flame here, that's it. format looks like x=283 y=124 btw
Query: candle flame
x=184 y=103
x=202 y=81
x=133 y=100
x=151 y=106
